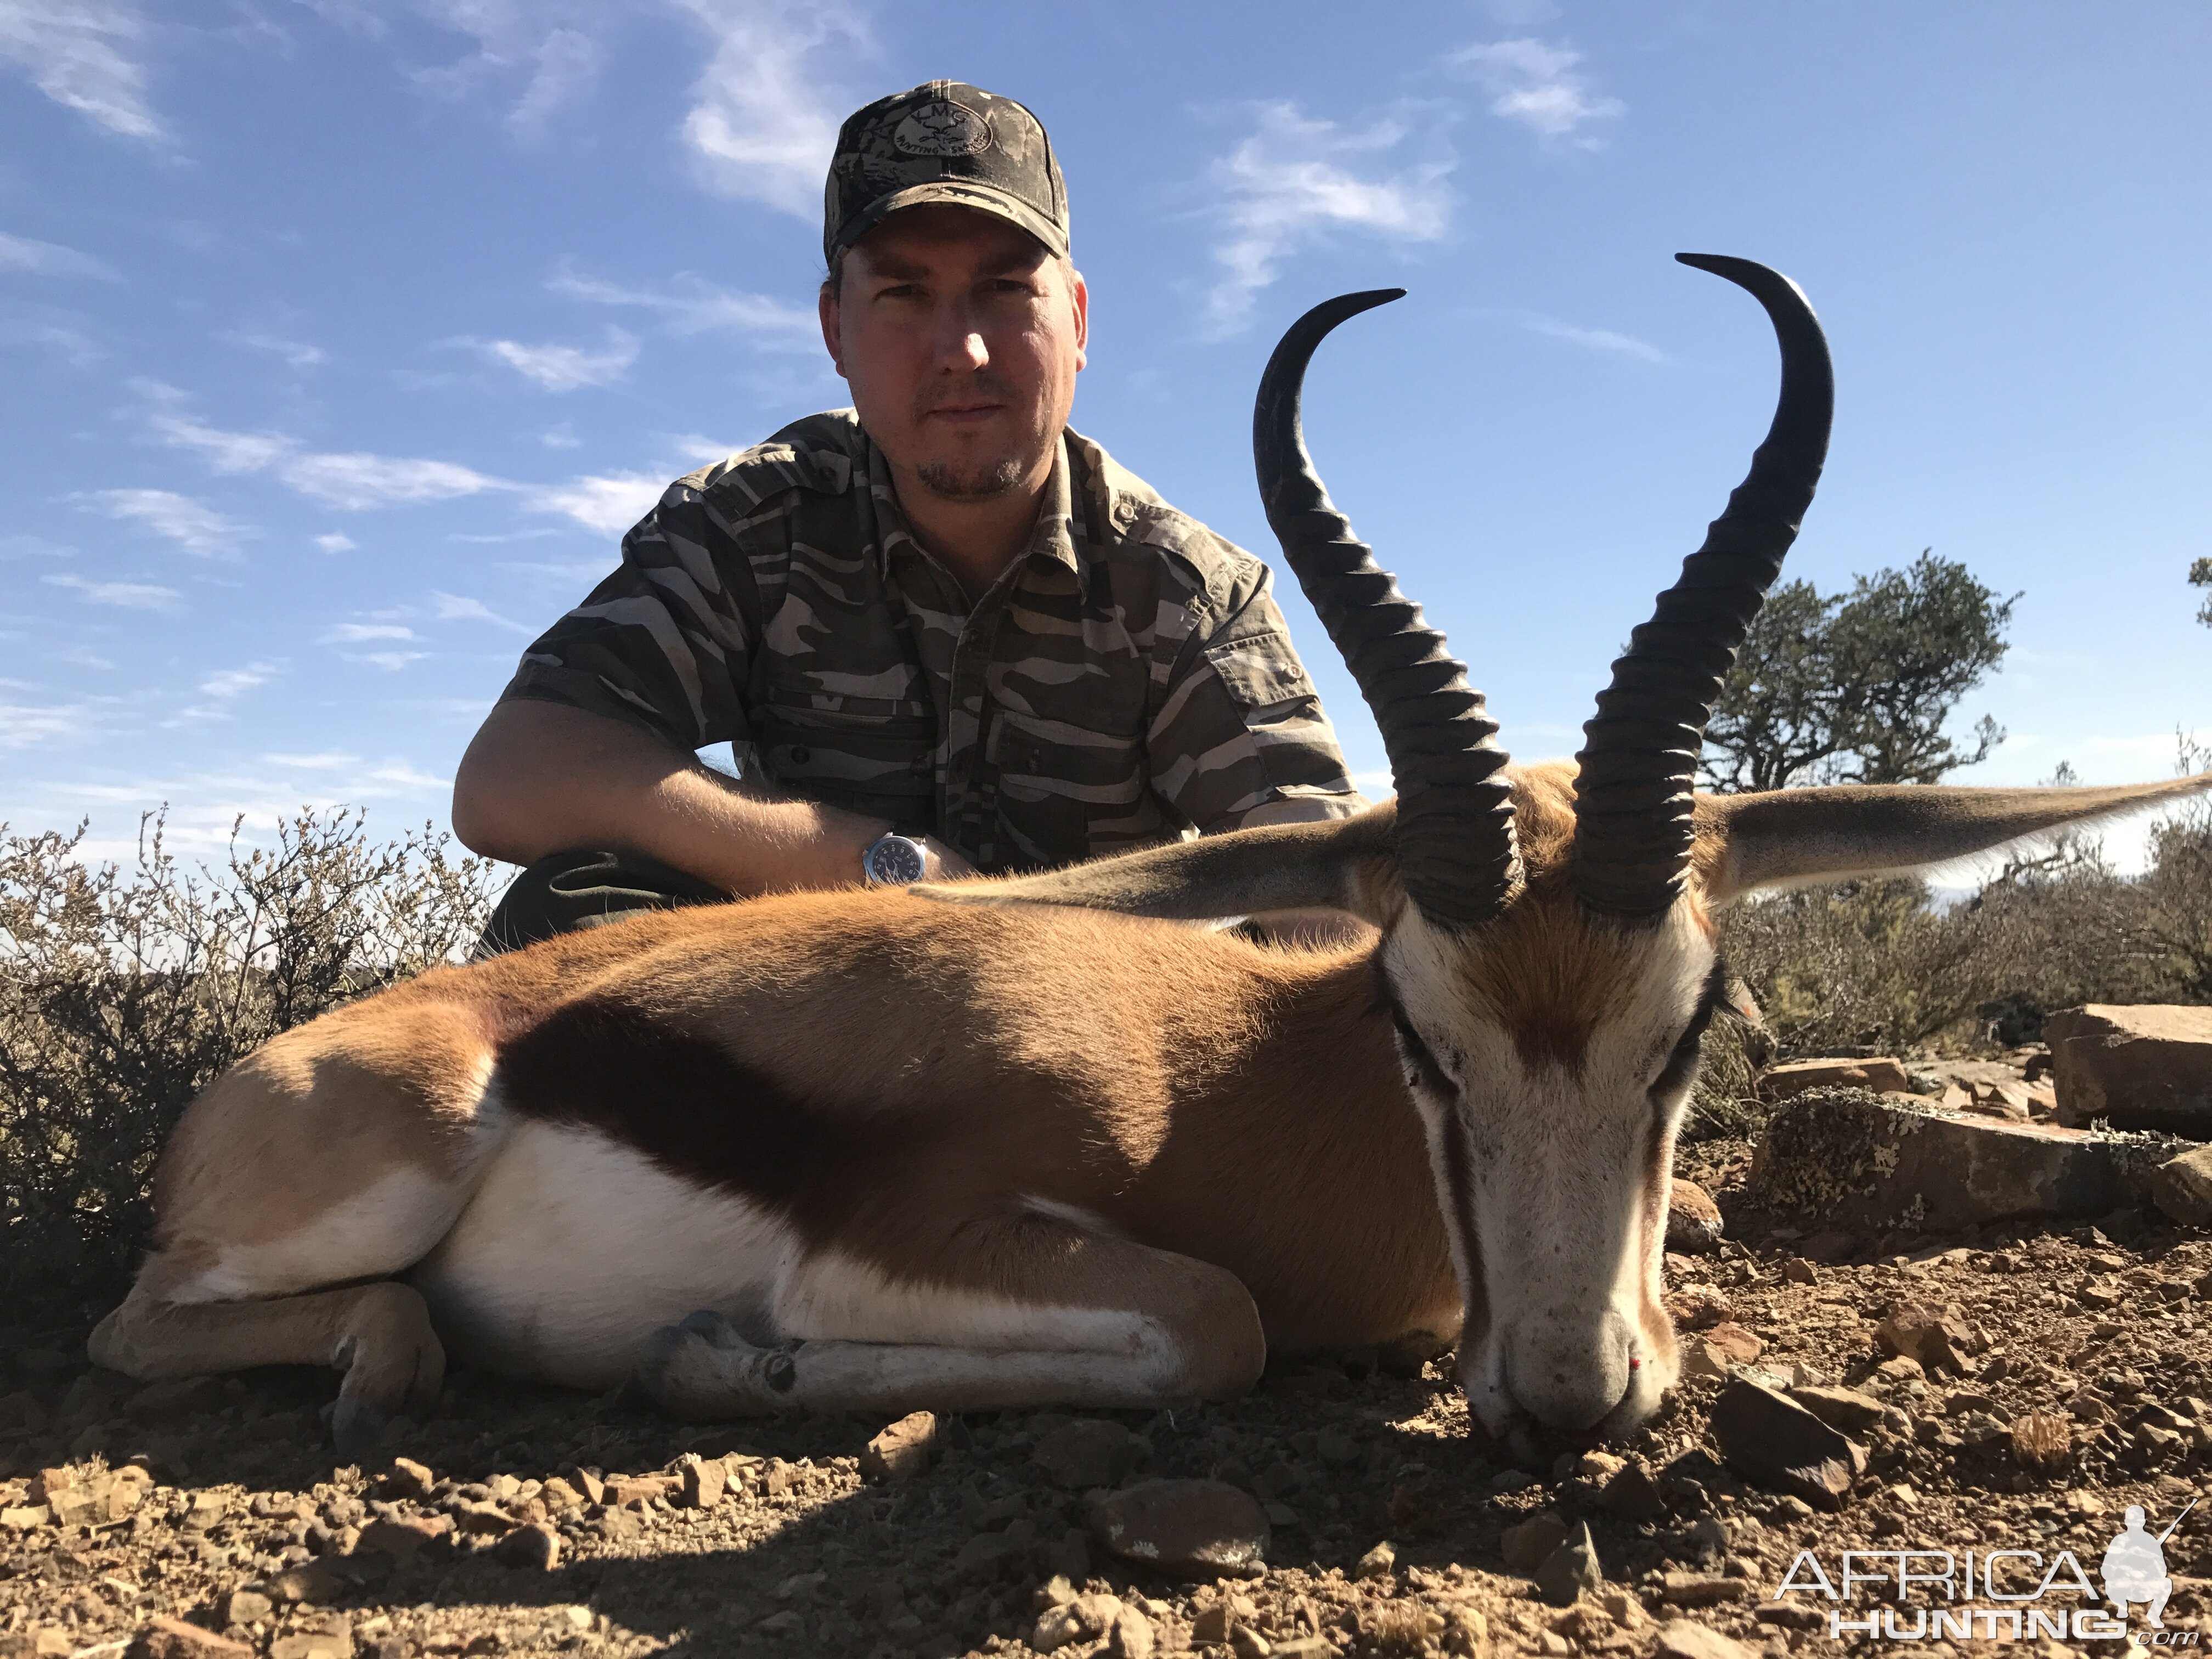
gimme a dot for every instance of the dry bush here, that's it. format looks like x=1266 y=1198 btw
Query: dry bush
x=124 y=993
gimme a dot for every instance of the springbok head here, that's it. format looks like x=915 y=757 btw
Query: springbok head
x=1549 y=947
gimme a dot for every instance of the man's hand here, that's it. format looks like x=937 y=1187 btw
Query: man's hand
x=541 y=778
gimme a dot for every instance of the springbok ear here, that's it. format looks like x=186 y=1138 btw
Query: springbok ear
x=1802 y=837
x=1340 y=864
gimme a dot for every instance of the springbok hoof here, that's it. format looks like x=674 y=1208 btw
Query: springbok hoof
x=702 y=1370
x=357 y=1428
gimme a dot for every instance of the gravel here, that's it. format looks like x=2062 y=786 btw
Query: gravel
x=530 y=1520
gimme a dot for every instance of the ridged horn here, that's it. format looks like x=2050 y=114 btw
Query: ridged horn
x=1455 y=834
x=1633 y=828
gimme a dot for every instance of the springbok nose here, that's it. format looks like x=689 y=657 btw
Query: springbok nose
x=1568 y=1376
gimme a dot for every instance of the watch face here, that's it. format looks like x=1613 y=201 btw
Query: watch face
x=895 y=861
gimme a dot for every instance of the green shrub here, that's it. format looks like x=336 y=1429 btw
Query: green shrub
x=123 y=994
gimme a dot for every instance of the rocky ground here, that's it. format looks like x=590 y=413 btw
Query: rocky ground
x=2064 y=1373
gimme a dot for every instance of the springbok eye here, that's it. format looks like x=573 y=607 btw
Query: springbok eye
x=1426 y=1071
x=1684 y=1058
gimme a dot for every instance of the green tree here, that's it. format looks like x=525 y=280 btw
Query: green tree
x=2200 y=575
x=1858 y=687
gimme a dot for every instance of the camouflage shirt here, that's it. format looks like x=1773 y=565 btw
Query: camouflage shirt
x=1126 y=680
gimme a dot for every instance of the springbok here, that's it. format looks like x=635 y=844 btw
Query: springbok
x=992 y=1145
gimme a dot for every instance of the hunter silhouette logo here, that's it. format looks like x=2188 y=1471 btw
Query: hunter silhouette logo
x=941 y=127
x=2002 y=1594
x=2134 y=1567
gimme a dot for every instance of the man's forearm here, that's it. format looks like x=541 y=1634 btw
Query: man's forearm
x=541 y=778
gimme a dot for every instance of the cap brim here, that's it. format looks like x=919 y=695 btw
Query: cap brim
x=956 y=192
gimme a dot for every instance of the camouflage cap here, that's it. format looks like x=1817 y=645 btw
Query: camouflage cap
x=944 y=141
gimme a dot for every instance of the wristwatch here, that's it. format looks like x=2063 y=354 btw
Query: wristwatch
x=894 y=860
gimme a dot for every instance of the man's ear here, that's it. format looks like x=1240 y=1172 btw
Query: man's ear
x=1340 y=864
x=1805 y=837
x=828 y=308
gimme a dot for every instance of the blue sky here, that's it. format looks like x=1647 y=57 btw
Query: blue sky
x=340 y=341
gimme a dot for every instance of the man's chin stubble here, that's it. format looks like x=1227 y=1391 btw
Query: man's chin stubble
x=970 y=483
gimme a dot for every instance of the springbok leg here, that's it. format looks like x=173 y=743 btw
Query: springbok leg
x=1032 y=1311
x=379 y=1335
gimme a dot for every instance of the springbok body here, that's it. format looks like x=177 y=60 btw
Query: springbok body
x=992 y=1145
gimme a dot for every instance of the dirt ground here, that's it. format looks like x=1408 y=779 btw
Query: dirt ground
x=240 y=1525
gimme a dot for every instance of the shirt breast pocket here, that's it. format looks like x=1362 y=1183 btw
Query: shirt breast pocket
x=871 y=755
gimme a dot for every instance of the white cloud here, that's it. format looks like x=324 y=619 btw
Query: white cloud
x=48 y=258
x=353 y=481
x=228 y=683
x=609 y=503
x=562 y=436
x=128 y=596
x=1596 y=339
x=1536 y=84
x=80 y=54
x=760 y=127
x=563 y=368
x=454 y=607
x=1296 y=179
x=356 y=482
x=391 y=662
x=193 y=524
x=297 y=352
x=534 y=37
x=336 y=542
x=691 y=305
x=361 y=633
x=23 y=726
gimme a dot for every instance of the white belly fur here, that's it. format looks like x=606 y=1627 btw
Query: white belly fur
x=575 y=1248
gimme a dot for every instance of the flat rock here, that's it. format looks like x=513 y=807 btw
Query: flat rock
x=1846 y=1410
x=1634 y=1494
x=1693 y=1220
x=1774 y=1443
x=1786 y=1082
x=1089 y=1452
x=1851 y=1161
x=1530 y=1545
x=175 y=1638
x=1191 y=1529
x=1686 y=1639
x=1938 y=1334
x=902 y=1451
x=2144 y=1067
x=2182 y=1187
x=1702 y=1589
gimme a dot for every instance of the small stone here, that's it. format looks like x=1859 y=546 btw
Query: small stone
x=903 y=1449
x=1527 y=1546
x=1570 y=1571
x=1798 y=1271
x=577 y=1618
x=402 y=1539
x=1201 y=1528
x=536 y=1547
x=1336 y=1448
x=1634 y=1495
x=207 y=1508
x=245 y=1606
x=589 y=1483
x=557 y=1495
x=174 y=1638
x=1130 y=1636
x=483 y=1520
x=1087 y=1453
x=1780 y=1082
x=314 y=1583
x=1211 y=1626
x=702 y=1482
x=409 y=1481
x=1621 y=1607
x=1685 y=1638
x=313 y=1644
x=1695 y=1307
x=1773 y=1442
x=1741 y=1346
x=1693 y=1220
x=1248 y=1643
x=26 y=1517
x=1935 y=1334
x=1379 y=1561
x=1702 y=1589
x=624 y=1489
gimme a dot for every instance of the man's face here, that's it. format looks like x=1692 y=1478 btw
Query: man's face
x=960 y=336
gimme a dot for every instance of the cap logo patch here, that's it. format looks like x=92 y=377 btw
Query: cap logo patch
x=941 y=127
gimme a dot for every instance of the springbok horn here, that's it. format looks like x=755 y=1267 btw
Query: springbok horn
x=1638 y=765
x=1454 y=831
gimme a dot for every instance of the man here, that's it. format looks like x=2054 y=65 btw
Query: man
x=942 y=632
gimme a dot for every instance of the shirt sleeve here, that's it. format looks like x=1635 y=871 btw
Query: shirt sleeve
x=667 y=640
x=1240 y=726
